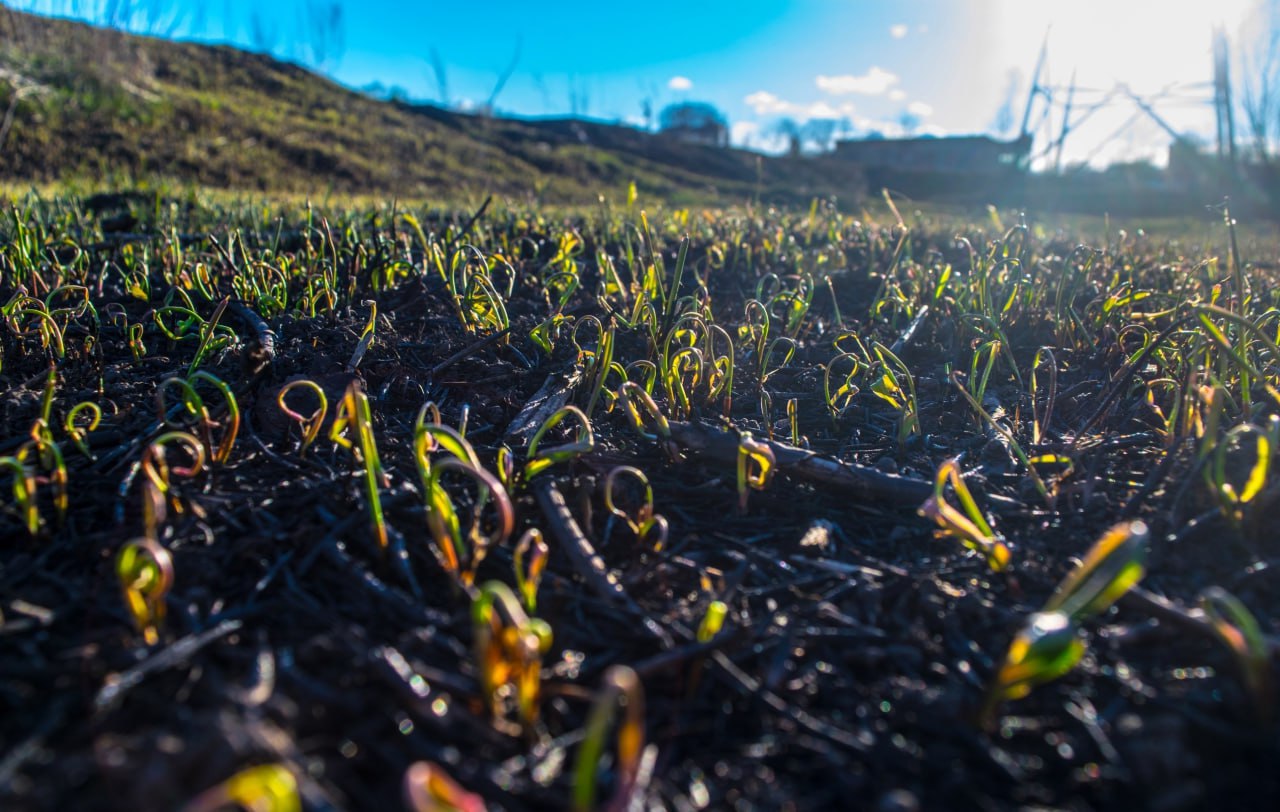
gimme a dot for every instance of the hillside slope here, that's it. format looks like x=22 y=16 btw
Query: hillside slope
x=102 y=106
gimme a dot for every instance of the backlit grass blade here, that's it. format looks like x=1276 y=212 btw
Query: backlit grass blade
x=1112 y=566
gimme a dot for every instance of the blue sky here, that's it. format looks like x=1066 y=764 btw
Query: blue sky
x=920 y=66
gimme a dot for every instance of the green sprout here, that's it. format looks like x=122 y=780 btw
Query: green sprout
x=78 y=432
x=712 y=621
x=509 y=646
x=354 y=414
x=266 y=788
x=839 y=401
x=198 y=413
x=24 y=492
x=1040 y=425
x=1236 y=627
x=462 y=553
x=584 y=442
x=47 y=468
x=1114 y=564
x=157 y=487
x=621 y=690
x=967 y=524
x=529 y=562
x=1233 y=498
x=756 y=466
x=643 y=412
x=1049 y=645
x=889 y=388
x=312 y=423
x=648 y=527
x=145 y=571
x=1014 y=445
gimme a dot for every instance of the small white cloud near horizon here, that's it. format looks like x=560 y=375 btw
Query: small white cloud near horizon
x=921 y=109
x=898 y=31
x=680 y=83
x=897 y=94
x=743 y=133
x=765 y=103
x=875 y=82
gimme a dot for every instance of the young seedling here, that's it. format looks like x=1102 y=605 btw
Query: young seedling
x=310 y=424
x=888 y=387
x=44 y=455
x=1014 y=445
x=529 y=562
x=649 y=528
x=1233 y=498
x=268 y=788
x=1238 y=630
x=1049 y=645
x=200 y=419
x=428 y=788
x=967 y=524
x=354 y=414
x=621 y=691
x=1114 y=564
x=643 y=412
x=712 y=621
x=756 y=465
x=509 y=646
x=1040 y=424
x=78 y=432
x=840 y=400
x=462 y=553
x=24 y=492
x=584 y=442
x=157 y=487
x=145 y=571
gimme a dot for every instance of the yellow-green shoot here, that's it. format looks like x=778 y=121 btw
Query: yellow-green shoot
x=354 y=417
x=649 y=528
x=965 y=523
x=145 y=571
x=266 y=788
x=756 y=466
x=310 y=424
x=508 y=647
x=621 y=691
x=1236 y=627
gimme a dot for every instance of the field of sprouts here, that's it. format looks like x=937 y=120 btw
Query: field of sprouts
x=403 y=508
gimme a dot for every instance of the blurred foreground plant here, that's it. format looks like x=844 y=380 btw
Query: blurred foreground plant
x=1049 y=644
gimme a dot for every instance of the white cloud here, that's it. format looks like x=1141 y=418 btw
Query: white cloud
x=897 y=94
x=680 y=83
x=765 y=103
x=919 y=108
x=743 y=133
x=898 y=31
x=875 y=82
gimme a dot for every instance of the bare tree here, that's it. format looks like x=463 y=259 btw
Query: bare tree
x=1260 y=84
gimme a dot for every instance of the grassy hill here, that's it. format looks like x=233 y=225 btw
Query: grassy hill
x=100 y=106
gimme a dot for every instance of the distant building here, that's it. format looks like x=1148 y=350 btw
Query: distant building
x=961 y=155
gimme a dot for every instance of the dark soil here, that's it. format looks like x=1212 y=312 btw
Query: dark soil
x=858 y=646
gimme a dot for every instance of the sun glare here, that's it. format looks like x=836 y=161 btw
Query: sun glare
x=1161 y=51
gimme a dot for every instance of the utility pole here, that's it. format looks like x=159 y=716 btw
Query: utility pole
x=1035 y=86
x=1066 y=125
